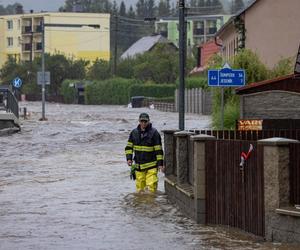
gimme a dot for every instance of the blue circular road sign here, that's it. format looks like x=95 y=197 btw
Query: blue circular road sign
x=17 y=82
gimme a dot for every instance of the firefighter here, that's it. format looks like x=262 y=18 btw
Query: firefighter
x=144 y=144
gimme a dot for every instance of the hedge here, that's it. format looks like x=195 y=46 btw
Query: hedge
x=110 y=91
x=152 y=90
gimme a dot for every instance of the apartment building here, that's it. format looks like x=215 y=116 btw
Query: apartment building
x=75 y=35
x=199 y=30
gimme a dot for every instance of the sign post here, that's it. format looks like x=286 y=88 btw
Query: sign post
x=17 y=84
x=225 y=77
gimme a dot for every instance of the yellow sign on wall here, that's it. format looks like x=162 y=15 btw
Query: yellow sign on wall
x=249 y=124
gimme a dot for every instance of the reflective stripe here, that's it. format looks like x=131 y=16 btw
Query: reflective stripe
x=159 y=157
x=129 y=144
x=143 y=148
x=157 y=147
x=128 y=152
x=148 y=165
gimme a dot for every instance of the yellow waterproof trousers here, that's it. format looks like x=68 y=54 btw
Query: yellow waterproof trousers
x=146 y=178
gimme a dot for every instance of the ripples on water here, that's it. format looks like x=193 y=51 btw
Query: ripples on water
x=64 y=184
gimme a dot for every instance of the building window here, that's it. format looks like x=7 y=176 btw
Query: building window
x=211 y=26
x=19 y=24
x=10 y=42
x=198 y=28
x=10 y=24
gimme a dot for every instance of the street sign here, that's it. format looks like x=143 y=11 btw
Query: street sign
x=226 y=77
x=40 y=78
x=17 y=82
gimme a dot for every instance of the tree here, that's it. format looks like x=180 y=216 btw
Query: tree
x=77 y=69
x=95 y=6
x=122 y=11
x=150 y=8
x=164 y=70
x=131 y=13
x=193 y=3
x=201 y=3
x=141 y=9
x=164 y=8
x=2 y=10
x=100 y=70
x=115 y=9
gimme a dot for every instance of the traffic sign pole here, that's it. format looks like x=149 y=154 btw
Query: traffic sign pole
x=226 y=77
x=222 y=108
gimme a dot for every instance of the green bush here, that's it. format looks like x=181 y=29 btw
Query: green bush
x=231 y=113
x=110 y=91
x=255 y=69
x=152 y=90
x=283 y=67
x=67 y=90
x=194 y=82
x=169 y=99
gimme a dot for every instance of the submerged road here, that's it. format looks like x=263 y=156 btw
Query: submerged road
x=64 y=184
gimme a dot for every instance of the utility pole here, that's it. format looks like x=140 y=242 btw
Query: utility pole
x=182 y=46
x=115 y=45
x=43 y=70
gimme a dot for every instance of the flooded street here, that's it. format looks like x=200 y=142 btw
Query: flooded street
x=64 y=184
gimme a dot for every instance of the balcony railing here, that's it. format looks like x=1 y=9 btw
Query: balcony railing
x=26 y=29
x=38 y=28
x=27 y=47
x=38 y=46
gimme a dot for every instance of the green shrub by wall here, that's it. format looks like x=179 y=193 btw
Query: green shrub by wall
x=152 y=90
x=194 y=82
x=110 y=91
x=67 y=90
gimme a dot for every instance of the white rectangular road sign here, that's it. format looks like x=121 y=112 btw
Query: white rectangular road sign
x=40 y=78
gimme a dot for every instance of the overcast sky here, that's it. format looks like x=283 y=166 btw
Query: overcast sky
x=49 y=5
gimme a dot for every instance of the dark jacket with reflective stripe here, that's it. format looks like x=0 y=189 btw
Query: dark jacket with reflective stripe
x=146 y=147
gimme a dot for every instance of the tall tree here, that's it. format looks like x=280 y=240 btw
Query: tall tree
x=236 y=6
x=164 y=8
x=115 y=9
x=201 y=3
x=141 y=9
x=150 y=8
x=122 y=11
x=193 y=3
x=131 y=13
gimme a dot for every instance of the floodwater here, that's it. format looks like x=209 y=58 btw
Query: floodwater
x=64 y=184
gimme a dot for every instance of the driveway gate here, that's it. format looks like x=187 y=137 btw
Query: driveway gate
x=235 y=194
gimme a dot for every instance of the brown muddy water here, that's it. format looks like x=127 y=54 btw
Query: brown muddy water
x=64 y=184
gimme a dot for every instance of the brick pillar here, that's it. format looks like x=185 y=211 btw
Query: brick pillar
x=276 y=180
x=182 y=141
x=169 y=151
x=200 y=176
